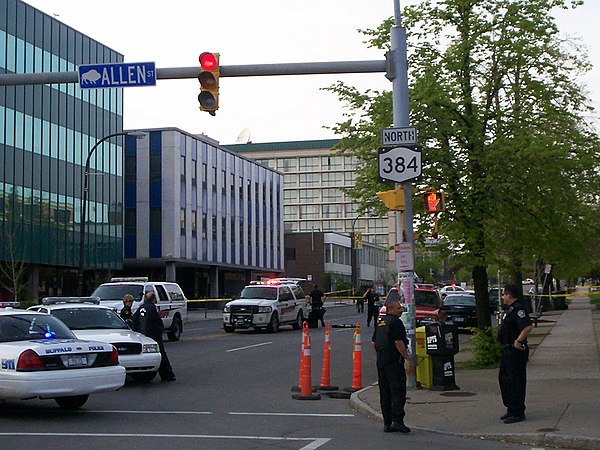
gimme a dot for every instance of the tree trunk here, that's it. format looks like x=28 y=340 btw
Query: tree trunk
x=480 y=280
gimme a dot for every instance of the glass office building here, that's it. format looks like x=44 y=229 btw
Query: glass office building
x=46 y=132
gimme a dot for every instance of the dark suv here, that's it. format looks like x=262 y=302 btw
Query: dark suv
x=427 y=304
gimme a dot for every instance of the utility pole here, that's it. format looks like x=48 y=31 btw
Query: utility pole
x=399 y=61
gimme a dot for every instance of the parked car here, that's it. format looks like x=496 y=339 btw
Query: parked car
x=528 y=281
x=450 y=290
x=139 y=354
x=170 y=300
x=427 y=304
x=461 y=309
x=42 y=358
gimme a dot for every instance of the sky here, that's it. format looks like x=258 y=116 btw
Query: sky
x=282 y=108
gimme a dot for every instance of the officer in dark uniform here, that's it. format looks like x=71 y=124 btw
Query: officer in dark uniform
x=515 y=326
x=390 y=343
x=147 y=321
x=125 y=312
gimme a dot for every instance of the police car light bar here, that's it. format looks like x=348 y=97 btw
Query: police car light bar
x=121 y=279
x=58 y=300
x=9 y=304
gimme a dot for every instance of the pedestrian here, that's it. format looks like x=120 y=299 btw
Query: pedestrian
x=316 y=304
x=515 y=326
x=147 y=320
x=390 y=343
x=360 y=303
x=372 y=305
x=126 y=313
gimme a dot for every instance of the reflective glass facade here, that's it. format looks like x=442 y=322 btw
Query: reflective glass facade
x=46 y=132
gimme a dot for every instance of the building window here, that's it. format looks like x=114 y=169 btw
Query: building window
x=182 y=222
x=290 y=253
x=287 y=164
x=310 y=164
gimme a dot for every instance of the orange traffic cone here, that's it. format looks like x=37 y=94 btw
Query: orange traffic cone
x=304 y=336
x=326 y=368
x=305 y=371
x=357 y=358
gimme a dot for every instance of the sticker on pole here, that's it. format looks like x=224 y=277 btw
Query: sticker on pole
x=399 y=164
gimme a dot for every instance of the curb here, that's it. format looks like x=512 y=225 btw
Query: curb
x=538 y=439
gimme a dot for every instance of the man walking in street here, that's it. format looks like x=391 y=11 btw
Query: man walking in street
x=515 y=326
x=316 y=305
x=390 y=342
x=372 y=305
x=147 y=321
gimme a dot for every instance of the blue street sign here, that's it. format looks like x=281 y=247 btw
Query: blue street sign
x=93 y=76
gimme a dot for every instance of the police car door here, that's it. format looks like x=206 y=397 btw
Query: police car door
x=163 y=305
x=285 y=304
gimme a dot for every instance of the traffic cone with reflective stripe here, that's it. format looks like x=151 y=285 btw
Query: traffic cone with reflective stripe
x=326 y=368
x=305 y=371
x=304 y=335
x=357 y=359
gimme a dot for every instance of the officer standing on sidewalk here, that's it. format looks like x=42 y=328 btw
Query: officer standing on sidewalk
x=515 y=326
x=390 y=343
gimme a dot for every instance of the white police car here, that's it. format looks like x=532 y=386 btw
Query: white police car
x=41 y=358
x=139 y=354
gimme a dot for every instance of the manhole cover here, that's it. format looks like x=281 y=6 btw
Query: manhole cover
x=547 y=430
x=458 y=394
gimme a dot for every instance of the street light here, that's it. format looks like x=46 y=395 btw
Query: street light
x=84 y=198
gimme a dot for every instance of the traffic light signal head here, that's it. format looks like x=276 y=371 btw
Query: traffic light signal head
x=393 y=199
x=434 y=202
x=209 y=82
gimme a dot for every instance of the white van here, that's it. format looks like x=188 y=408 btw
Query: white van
x=170 y=300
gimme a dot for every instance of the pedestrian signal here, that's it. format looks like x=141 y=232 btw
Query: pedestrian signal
x=209 y=82
x=434 y=202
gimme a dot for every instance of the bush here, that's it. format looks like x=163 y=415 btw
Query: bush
x=594 y=298
x=486 y=348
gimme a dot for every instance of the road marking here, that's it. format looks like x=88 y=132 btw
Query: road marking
x=248 y=346
x=288 y=414
x=314 y=444
x=118 y=411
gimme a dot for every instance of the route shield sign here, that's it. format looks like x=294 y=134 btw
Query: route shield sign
x=399 y=164
x=94 y=76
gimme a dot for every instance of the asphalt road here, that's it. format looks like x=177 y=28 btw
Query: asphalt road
x=233 y=391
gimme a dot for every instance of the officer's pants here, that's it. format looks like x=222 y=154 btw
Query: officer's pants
x=164 y=370
x=392 y=392
x=513 y=380
x=372 y=313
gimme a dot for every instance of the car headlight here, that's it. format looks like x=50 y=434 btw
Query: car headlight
x=264 y=309
x=150 y=348
x=227 y=309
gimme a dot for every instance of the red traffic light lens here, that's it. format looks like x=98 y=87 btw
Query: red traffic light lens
x=208 y=61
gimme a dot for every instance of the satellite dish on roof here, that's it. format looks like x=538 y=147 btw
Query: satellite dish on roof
x=244 y=137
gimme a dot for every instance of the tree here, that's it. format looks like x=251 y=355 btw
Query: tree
x=502 y=123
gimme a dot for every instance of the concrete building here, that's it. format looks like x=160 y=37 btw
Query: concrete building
x=46 y=132
x=199 y=214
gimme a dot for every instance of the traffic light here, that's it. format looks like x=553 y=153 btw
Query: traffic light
x=209 y=82
x=393 y=199
x=357 y=240
x=434 y=202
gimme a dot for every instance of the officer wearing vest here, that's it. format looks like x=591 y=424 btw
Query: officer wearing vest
x=390 y=343
x=515 y=326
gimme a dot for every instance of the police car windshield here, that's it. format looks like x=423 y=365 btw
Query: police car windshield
x=259 y=292
x=117 y=292
x=90 y=319
x=25 y=327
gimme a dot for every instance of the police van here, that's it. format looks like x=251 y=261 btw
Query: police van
x=267 y=305
x=170 y=300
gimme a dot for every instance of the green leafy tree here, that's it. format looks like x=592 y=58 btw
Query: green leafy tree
x=503 y=125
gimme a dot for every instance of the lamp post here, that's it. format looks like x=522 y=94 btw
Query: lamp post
x=84 y=199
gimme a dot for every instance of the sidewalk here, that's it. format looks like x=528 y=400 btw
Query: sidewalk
x=563 y=390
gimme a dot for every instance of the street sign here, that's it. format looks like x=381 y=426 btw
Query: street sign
x=399 y=164
x=94 y=76
x=392 y=137
x=404 y=257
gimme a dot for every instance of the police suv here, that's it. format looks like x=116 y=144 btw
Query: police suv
x=41 y=358
x=170 y=300
x=267 y=305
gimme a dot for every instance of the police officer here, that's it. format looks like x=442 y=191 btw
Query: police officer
x=515 y=326
x=390 y=343
x=316 y=305
x=147 y=321
x=125 y=312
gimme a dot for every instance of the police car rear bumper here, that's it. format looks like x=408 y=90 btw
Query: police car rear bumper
x=60 y=383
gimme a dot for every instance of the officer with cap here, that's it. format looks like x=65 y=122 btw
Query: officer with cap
x=515 y=326
x=390 y=343
x=147 y=321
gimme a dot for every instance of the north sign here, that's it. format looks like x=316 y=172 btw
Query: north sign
x=399 y=164
x=393 y=137
x=94 y=76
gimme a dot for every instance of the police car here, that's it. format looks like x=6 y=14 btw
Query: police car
x=41 y=358
x=139 y=354
x=267 y=305
x=170 y=300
